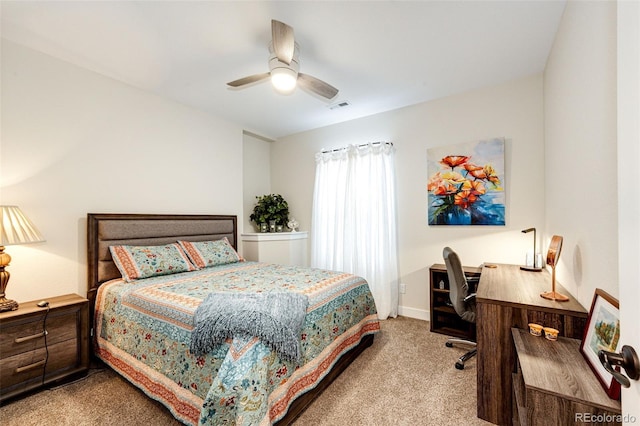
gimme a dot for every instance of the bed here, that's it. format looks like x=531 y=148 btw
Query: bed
x=143 y=327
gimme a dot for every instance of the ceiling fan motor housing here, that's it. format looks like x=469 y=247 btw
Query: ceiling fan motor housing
x=284 y=76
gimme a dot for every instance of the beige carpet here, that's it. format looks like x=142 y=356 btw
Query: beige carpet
x=406 y=377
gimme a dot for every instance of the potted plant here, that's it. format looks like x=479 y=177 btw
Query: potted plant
x=270 y=209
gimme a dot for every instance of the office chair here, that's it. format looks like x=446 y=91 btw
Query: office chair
x=463 y=299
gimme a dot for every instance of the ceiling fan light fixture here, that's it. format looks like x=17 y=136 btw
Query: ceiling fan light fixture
x=284 y=66
x=284 y=80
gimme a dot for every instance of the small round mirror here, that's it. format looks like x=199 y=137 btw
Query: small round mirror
x=555 y=247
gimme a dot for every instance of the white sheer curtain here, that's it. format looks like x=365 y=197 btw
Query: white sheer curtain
x=354 y=218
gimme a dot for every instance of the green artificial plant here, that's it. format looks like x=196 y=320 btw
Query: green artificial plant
x=270 y=207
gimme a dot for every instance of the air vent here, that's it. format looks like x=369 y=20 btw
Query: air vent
x=339 y=105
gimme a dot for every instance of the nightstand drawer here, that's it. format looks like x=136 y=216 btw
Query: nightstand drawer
x=29 y=366
x=27 y=336
x=63 y=326
x=19 y=337
x=22 y=367
x=63 y=356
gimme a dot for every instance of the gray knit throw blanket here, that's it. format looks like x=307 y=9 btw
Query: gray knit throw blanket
x=275 y=318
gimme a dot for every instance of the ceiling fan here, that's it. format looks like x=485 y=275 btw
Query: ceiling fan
x=284 y=65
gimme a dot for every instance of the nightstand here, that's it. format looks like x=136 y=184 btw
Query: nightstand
x=40 y=346
x=284 y=248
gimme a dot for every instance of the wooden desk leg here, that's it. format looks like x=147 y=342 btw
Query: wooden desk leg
x=496 y=360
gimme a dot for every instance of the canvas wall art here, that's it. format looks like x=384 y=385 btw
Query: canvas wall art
x=466 y=184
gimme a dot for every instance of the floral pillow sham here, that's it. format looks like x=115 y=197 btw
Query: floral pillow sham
x=137 y=262
x=205 y=254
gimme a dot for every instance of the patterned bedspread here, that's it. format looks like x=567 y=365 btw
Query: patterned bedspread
x=143 y=331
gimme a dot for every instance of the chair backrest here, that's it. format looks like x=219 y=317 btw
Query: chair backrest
x=458 y=286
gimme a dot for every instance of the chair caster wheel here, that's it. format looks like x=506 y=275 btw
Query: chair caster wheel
x=459 y=366
x=449 y=344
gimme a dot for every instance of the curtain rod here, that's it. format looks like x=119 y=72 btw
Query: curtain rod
x=359 y=146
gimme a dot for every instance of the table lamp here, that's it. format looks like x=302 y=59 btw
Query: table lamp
x=533 y=268
x=15 y=228
x=555 y=247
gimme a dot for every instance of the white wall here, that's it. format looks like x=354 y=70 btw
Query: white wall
x=628 y=178
x=256 y=171
x=580 y=148
x=513 y=110
x=75 y=142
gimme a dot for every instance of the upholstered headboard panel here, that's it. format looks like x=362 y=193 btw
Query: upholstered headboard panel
x=104 y=230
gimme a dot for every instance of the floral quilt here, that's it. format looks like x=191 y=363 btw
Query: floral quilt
x=143 y=331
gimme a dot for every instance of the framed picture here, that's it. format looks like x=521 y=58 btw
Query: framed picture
x=602 y=332
x=466 y=184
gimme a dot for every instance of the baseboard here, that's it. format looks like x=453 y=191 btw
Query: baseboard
x=420 y=314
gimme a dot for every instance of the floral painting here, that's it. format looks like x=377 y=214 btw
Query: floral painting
x=466 y=184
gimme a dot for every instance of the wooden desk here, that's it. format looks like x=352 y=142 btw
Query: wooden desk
x=509 y=297
x=554 y=386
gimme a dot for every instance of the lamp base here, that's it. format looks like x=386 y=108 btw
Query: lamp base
x=531 y=269
x=7 y=304
x=554 y=295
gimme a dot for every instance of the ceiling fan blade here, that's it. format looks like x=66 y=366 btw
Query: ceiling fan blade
x=317 y=86
x=283 y=41
x=248 y=80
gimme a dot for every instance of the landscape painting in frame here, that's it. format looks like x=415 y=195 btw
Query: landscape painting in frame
x=602 y=332
x=466 y=184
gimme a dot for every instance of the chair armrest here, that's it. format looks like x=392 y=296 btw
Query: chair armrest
x=470 y=297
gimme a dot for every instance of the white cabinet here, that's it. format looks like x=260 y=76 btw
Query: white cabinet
x=286 y=248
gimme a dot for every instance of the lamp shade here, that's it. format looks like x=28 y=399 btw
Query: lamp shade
x=16 y=228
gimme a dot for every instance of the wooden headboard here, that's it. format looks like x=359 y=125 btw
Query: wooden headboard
x=107 y=229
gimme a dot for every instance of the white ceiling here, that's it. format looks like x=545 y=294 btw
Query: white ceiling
x=382 y=55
